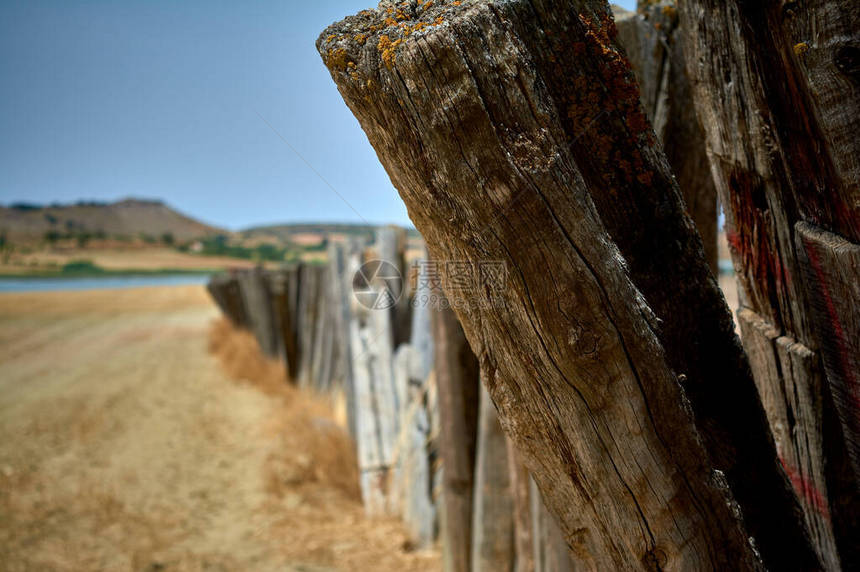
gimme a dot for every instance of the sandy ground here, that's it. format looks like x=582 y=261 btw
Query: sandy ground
x=126 y=445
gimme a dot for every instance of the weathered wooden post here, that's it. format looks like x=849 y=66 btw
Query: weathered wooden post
x=224 y=289
x=457 y=380
x=421 y=328
x=539 y=545
x=325 y=351
x=413 y=474
x=493 y=512
x=777 y=92
x=310 y=290
x=391 y=247
x=551 y=553
x=514 y=133
x=258 y=307
x=524 y=531
x=413 y=364
x=341 y=295
x=377 y=405
x=282 y=285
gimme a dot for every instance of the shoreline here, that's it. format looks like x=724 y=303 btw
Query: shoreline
x=108 y=281
x=108 y=273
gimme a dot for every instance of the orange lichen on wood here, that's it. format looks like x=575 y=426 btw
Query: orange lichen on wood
x=617 y=95
x=389 y=27
x=387 y=47
x=616 y=72
x=336 y=59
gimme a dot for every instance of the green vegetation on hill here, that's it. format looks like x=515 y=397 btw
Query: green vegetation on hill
x=220 y=245
x=79 y=267
x=285 y=231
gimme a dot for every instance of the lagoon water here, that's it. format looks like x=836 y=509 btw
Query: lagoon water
x=43 y=284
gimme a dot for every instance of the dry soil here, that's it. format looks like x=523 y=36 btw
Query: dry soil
x=126 y=444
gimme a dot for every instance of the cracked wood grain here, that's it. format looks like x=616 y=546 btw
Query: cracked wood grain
x=513 y=132
x=778 y=92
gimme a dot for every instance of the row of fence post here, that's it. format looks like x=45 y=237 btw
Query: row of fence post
x=428 y=442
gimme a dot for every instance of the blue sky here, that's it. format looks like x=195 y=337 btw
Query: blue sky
x=104 y=100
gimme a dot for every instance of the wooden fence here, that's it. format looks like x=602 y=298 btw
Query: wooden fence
x=403 y=368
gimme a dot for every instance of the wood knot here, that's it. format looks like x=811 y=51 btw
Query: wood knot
x=655 y=559
x=847 y=60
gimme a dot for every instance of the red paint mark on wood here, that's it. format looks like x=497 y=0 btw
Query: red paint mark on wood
x=782 y=272
x=807 y=490
x=735 y=242
x=842 y=350
x=751 y=237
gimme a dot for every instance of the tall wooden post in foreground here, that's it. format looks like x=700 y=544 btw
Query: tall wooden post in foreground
x=514 y=133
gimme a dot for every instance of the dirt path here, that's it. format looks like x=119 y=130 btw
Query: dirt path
x=125 y=446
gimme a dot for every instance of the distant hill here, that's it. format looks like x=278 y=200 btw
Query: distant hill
x=126 y=218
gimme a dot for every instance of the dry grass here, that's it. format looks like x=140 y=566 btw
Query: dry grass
x=314 y=472
x=238 y=353
x=320 y=451
x=312 y=476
